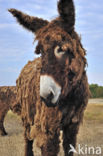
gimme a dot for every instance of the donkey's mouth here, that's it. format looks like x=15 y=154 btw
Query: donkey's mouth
x=48 y=103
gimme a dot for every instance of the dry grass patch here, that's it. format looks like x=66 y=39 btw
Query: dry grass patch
x=94 y=112
x=90 y=134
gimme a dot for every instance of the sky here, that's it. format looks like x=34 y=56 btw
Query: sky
x=17 y=44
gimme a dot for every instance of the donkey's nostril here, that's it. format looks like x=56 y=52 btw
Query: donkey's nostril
x=50 y=97
x=48 y=100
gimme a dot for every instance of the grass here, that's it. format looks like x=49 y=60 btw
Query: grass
x=90 y=133
x=94 y=112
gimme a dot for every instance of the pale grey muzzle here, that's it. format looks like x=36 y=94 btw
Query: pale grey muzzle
x=48 y=86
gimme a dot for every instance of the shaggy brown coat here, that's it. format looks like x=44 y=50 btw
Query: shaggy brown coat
x=7 y=102
x=41 y=122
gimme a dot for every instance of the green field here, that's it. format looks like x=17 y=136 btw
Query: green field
x=90 y=134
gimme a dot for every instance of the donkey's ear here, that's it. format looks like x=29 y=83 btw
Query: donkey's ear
x=29 y=22
x=67 y=13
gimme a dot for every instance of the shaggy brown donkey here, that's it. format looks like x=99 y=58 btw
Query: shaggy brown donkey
x=7 y=102
x=53 y=90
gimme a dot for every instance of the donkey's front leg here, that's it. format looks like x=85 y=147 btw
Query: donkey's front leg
x=51 y=148
x=2 y=116
x=28 y=146
x=69 y=138
x=2 y=129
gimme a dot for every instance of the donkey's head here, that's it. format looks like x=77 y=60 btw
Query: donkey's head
x=62 y=55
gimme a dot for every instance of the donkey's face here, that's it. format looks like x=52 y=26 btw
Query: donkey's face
x=62 y=64
x=62 y=54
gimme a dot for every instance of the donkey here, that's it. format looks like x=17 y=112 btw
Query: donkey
x=53 y=89
x=7 y=102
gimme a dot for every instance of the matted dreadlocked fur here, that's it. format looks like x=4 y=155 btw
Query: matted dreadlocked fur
x=43 y=121
x=7 y=102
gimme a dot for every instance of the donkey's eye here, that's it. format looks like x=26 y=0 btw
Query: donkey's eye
x=58 y=52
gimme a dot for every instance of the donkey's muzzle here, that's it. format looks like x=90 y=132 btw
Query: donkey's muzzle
x=50 y=90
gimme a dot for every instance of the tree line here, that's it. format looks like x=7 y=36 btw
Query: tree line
x=96 y=91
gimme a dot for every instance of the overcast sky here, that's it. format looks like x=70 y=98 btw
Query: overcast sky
x=16 y=43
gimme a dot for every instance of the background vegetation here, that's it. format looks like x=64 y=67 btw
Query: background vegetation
x=96 y=91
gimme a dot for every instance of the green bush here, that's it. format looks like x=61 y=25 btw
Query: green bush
x=96 y=90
